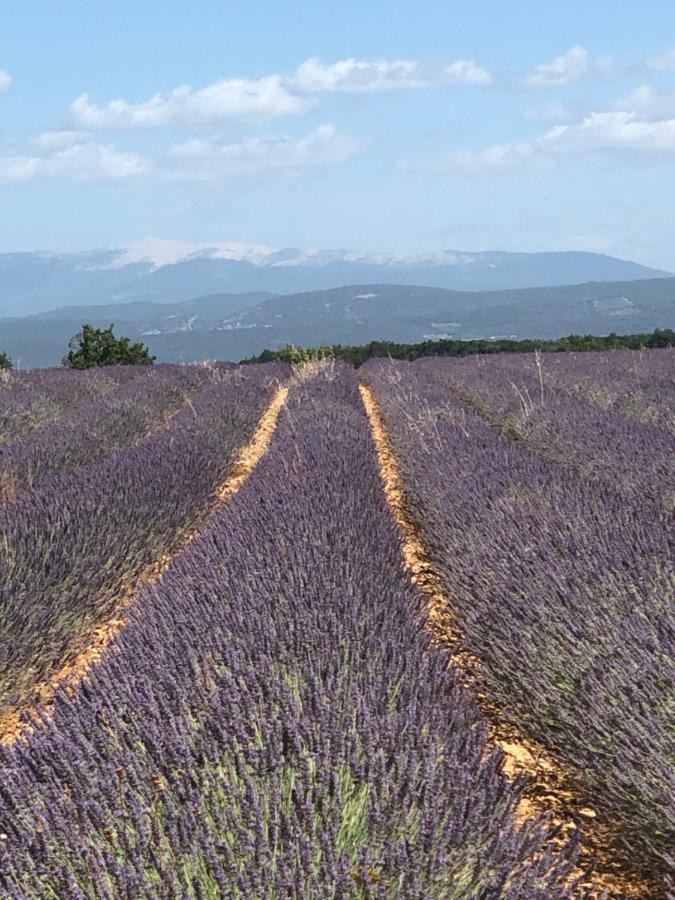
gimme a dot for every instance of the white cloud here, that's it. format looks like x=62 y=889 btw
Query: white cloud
x=208 y=159
x=356 y=76
x=663 y=63
x=565 y=69
x=619 y=132
x=465 y=71
x=5 y=80
x=233 y=97
x=612 y=132
x=60 y=139
x=78 y=162
x=646 y=102
x=270 y=97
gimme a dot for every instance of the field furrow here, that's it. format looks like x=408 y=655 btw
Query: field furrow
x=550 y=788
x=71 y=550
x=562 y=588
x=274 y=720
x=16 y=722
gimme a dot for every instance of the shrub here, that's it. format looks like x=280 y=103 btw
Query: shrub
x=94 y=347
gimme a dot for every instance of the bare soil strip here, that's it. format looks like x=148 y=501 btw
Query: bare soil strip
x=552 y=789
x=16 y=723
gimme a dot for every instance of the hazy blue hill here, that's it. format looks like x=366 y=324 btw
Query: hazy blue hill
x=41 y=339
x=33 y=282
x=211 y=307
x=232 y=326
x=403 y=310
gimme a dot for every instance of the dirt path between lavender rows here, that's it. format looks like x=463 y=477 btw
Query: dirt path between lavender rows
x=551 y=788
x=18 y=722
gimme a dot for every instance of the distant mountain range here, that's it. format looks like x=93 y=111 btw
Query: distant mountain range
x=233 y=326
x=170 y=271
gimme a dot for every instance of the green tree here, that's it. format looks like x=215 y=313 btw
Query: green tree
x=94 y=347
x=5 y=361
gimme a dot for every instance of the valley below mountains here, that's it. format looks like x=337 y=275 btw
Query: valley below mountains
x=232 y=326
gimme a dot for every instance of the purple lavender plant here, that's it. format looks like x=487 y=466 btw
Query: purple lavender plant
x=561 y=580
x=71 y=548
x=28 y=399
x=110 y=422
x=275 y=721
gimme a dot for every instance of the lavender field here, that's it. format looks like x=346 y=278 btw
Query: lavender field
x=406 y=631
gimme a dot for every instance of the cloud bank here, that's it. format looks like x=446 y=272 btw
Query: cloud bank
x=568 y=68
x=209 y=159
x=600 y=133
x=86 y=161
x=357 y=76
x=265 y=98
x=271 y=97
x=641 y=123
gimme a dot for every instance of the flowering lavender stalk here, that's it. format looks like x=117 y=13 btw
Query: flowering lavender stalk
x=524 y=395
x=638 y=384
x=562 y=585
x=274 y=721
x=110 y=422
x=71 y=548
x=28 y=399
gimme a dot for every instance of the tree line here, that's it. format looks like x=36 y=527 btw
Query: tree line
x=356 y=355
x=94 y=347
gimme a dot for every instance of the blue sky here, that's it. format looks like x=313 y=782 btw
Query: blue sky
x=373 y=126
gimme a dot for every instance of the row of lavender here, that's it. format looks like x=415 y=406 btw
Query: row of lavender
x=29 y=399
x=274 y=721
x=72 y=547
x=86 y=433
x=638 y=384
x=561 y=585
x=582 y=411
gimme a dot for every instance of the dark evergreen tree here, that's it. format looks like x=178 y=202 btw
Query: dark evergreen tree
x=5 y=361
x=94 y=347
